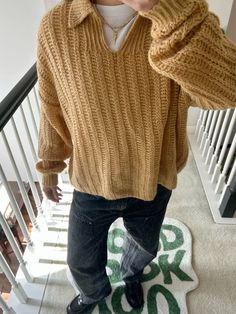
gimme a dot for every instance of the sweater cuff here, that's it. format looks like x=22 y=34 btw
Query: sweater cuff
x=48 y=166
x=168 y=15
x=49 y=180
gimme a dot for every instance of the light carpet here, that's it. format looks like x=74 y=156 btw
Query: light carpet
x=214 y=256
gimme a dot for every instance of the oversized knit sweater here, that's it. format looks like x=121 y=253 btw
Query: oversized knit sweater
x=120 y=117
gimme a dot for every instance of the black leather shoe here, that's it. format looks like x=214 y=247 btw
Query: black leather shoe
x=134 y=294
x=77 y=306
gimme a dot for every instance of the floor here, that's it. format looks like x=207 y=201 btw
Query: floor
x=214 y=254
x=214 y=257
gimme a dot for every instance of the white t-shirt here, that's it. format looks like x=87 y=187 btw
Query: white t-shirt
x=116 y=15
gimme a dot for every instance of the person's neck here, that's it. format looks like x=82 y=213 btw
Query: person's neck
x=108 y=2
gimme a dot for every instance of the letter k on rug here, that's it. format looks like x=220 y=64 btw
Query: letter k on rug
x=166 y=280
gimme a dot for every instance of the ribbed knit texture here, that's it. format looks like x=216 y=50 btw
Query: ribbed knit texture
x=121 y=116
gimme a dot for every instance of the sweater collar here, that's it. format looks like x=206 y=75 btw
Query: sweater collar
x=78 y=11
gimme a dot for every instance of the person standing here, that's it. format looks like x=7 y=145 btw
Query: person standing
x=116 y=79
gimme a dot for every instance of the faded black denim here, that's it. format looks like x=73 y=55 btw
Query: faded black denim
x=89 y=222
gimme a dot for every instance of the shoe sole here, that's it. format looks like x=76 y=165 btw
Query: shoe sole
x=88 y=310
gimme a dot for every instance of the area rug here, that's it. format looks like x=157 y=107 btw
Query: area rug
x=166 y=280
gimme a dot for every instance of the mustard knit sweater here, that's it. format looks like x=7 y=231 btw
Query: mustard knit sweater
x=120 y=117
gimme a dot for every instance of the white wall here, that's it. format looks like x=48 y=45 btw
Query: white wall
x=222 y=8
x=50 y=3
x=19 y=21
x=231 y=29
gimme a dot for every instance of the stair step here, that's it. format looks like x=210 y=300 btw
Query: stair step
x=61 y=215
x=61 y=229
x=58 y=225
x=53 y=255
x=49 y=261
x=52 y=244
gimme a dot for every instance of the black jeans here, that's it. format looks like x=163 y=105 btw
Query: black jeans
x=89 y=222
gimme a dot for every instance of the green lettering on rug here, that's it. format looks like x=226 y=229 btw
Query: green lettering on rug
x=112 y=247
x=115 y=268
x=179 y=238
x=173 y=267
x=103 y=308
x=154 y=272
x=170 y=299
x=117 y=305
x=169 y=267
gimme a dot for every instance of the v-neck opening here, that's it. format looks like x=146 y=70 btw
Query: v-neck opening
x=125 y=41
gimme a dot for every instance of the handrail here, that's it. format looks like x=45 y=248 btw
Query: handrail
x=13 y=100
x=228 y=204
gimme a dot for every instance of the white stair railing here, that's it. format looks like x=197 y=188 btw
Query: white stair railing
x=16 y=286
x=20 y=182
x=11 y=165
x=5 y=307
x=15 y=247
x=15 y=208
x=214 y=147
x=27 y=166
x=19 y=125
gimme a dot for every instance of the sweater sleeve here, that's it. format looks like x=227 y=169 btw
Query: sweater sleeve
x=54 y=144
x=189 y=47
